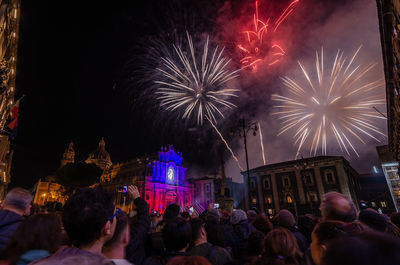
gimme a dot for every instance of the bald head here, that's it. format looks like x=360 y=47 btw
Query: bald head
x=336 y=206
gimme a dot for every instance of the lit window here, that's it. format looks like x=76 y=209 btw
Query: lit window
x=13 y=34
x=254 y=200
x=373 y=204
x=15 y=13
x=383 y=204
x=269 y=200
x=286 y=181
x=289 y=199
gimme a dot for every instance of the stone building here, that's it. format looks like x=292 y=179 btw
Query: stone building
x=389 y=25
x=299 y=185
x=100 y=156
x=9 y=29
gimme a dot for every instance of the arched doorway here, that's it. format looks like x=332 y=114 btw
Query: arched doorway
x=170 y=197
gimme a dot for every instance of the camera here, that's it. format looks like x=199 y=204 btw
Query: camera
x=216 y=205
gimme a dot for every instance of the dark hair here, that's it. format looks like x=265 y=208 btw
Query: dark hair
x=261 y=223
x=85 y=214
x=328 y=230
x=334 y=207
x=122 y=224
x=255 y=243
x=172 y=211
x=185 y=215
x=40 y=231
x=176 y=234
x=395 y=218
x=280 y=244
x=189 y=260
x=196 y=224
x=368 y=248
x=373 y=220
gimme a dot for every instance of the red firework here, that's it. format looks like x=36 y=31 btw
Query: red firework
x=258 y=43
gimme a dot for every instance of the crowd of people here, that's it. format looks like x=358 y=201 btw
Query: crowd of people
x=90 y=229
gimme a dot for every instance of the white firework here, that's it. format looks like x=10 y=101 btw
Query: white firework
x=196 y=87
x=336 y=103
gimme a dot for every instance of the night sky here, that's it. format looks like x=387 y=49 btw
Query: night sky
x=74 y=63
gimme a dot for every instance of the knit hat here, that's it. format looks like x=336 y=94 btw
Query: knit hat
x=286 y=218
x=238 y=216
x=373 y=219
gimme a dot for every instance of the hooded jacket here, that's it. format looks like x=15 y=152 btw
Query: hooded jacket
x=9 y=221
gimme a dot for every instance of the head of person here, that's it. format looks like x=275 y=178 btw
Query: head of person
x=395 y=218
x=336 y=206
x=189 y=260
x=281 y=244
x=177 y=234
x=368 y=248
x=199 y=233
x=262 y=223
x=120 y=238
x=37 y=232
x=89 y=216
x=212 y=216
x=172 y=211
x=19 y=201
x=286 y=218
x=238 y=216
x=373 y=219
x=306 y=224
x=186 y=216
x=325 y=231
x=251 y=215
x=255 y=243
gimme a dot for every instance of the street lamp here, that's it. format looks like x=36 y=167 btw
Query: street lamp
x=243 y=128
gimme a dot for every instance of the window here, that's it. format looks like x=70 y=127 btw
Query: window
x=252 y=184
x=308 y=179
x=312 y=196
x=267 y=185
x=207 y=187
x=289 y=199
x=373 y=204
x=254 y=200
x=286 y=182
x=383 y=204
x=268 y=200
x=329 y=177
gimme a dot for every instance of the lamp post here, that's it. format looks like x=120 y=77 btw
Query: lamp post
x=243 y=128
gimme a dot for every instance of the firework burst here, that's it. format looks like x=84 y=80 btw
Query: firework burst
x=196 y=87
x=257 y=44
x=335 y=103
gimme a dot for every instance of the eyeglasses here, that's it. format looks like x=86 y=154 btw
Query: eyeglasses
x=115 y=214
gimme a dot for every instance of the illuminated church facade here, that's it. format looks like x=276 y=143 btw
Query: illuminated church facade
x=161 y=180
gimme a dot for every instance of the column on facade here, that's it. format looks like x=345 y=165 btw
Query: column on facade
x=343 y=180
x=318 y=179
x=300 y=187
x=275 y=192
x=261 y=196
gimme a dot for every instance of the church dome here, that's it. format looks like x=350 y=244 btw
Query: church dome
x=100 y=156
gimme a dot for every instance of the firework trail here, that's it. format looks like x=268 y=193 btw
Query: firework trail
x=196 y=86
x=338 y=104
x=226 y=143
x=257 y=44
x=262 y=144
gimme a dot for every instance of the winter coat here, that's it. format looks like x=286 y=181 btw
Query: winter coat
x=9 y=221
x=300 y=238
x=135 y=251
x=164 y=258
x=74 y=256
x=236 y=237
x=215 y=254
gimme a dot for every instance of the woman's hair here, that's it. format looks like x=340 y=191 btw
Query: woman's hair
x=189 y=260
x=328 y=230
x=280 y=245
x=41 y=231
x=261 y=223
